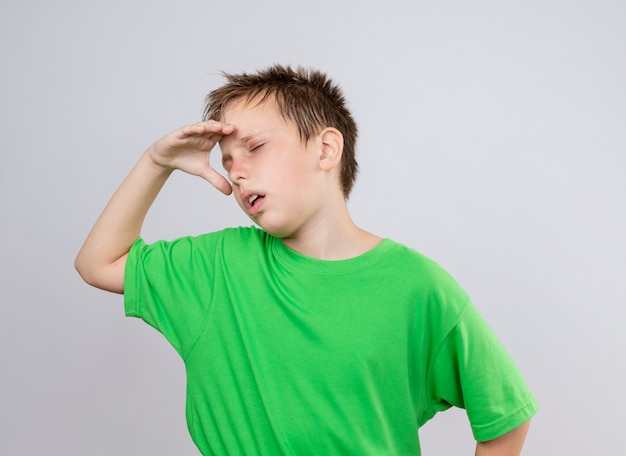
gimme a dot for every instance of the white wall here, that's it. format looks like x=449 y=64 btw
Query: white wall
x=493 y=139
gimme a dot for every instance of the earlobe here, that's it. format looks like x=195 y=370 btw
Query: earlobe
x=332 y=148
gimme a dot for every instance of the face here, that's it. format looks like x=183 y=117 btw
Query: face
x=275 y=175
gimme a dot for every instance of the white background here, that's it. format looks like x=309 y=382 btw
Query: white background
x=493 y=139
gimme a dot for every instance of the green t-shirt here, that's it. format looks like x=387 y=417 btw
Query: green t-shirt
x=286 y=354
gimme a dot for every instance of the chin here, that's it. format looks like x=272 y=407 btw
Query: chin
x=276 y=230
x=280 y=234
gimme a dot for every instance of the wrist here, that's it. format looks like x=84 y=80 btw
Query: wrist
x=154 y=166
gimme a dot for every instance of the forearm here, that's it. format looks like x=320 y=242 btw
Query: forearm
x=510 y=444
x=101 y=259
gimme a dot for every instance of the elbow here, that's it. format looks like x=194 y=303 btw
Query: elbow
x=108 y=278
x=85 y=271
x=80 y=268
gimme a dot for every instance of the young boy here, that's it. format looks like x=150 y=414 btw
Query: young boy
x=310 y=335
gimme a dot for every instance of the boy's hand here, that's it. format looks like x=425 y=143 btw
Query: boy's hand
x=189 y=149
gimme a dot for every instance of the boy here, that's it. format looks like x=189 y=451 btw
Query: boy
x=308 y=336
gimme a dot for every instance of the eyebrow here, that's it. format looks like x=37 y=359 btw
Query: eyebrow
x=243 y=141
x=248 y=137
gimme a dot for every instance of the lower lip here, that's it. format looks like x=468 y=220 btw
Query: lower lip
x=253 y=210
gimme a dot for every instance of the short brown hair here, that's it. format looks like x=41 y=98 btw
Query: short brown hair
x=307 y=97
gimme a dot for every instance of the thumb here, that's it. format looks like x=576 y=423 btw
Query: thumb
x=217 y=180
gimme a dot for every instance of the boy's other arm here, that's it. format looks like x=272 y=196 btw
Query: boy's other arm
x=509 y=444
x=102 y=258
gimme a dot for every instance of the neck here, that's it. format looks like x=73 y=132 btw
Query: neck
x=332 y=238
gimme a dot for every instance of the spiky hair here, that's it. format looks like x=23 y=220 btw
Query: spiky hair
x=306 y=97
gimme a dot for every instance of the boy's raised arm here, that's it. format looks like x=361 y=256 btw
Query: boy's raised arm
x=102 y=258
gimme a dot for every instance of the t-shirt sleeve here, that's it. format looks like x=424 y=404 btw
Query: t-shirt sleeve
x=169 y=286
x=472 y=370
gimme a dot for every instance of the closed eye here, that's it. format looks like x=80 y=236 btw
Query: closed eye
x=256 y=147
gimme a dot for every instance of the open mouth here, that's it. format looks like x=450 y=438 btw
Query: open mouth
x=254 y=199
x=253 y=202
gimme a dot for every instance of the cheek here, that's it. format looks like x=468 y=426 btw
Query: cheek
x=298 y=170
x=237 y=196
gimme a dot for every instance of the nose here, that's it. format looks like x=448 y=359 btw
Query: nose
x=237 y=171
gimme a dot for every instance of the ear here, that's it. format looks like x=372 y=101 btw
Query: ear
x=332 y=148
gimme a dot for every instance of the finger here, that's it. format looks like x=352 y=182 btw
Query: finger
x=206 y=127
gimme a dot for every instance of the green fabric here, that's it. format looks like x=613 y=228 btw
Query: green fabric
x=290 y=355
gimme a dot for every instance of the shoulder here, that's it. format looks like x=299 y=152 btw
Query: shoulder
x=439 y=295
x=420 y=267
x=243 y=234
x=245 y=239
x=227 y=239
